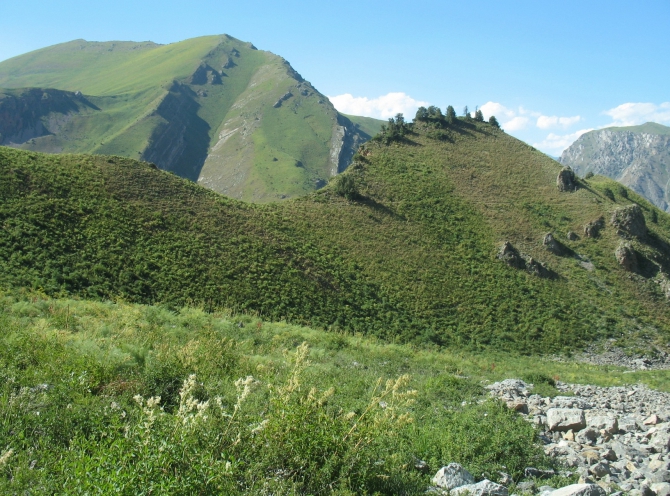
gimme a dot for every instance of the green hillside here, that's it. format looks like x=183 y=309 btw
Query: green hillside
x=646 y=128
x=411 y=256
x=212 y=109
x=368 y=125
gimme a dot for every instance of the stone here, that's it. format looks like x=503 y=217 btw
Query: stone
x=592 y=229
x=452 y=476
x=518 y=405
x=591 y=456
x=505 y=479
x=600 y=470
x=580 y=490
x=526 y=486
x=607 y=423
x=661 y=488
x=609 y=455
x=630 y=221
x=587 y=436
x=569 y=436
x=511 y=256
x=572 y=236
x=564 y=419
x=565 y=181
x=658 y=476
x=652 y=420
x=483 y=488
x=552 y=245
x=626 y=256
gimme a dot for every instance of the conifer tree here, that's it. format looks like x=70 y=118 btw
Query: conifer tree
x=451 y=115
x=479 y=116
x=494 y=122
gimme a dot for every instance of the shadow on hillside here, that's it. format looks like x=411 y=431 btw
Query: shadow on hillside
x=180 y=145
x=379 y=207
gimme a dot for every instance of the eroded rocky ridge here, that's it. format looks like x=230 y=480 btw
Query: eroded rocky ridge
x=637 y=157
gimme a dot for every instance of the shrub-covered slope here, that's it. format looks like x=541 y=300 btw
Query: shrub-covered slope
x=411 y=256
x=212 y=109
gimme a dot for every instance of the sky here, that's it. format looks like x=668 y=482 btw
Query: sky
x=548 y=70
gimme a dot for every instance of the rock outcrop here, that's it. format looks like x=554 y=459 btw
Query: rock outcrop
x=625 y=255
x=566 y=180
x=592 y=229
x=629 y=221
x=512 y=257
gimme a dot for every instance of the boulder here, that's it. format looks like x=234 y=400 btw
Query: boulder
x=604 y=422
x=564 y=419
x=661 y=488
x=511 y=256
x=625 y=255
x=566 y=180
x=483 y=488
x=580 y=490
x=572 y=236
x=629 y=221
x=552 y=245
x=452 y=476
x=592 y=229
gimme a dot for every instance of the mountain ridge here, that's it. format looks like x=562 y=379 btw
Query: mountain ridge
x=212 y=108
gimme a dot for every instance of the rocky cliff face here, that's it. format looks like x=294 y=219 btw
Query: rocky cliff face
x=638 y=157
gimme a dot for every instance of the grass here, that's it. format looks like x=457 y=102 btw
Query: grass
x=368 y=125
x=411 y=259
x=79 y=407
x=141 y=113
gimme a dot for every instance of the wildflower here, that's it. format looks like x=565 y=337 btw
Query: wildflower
x=259 y=427
x=5 y=457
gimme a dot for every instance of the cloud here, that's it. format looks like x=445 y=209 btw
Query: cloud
x=632 y=114
x=509 y=119
x=500 y=111
x=516 y=120
x=381 y=107
x=547 y=122
x=515 y=124
x=556 y=143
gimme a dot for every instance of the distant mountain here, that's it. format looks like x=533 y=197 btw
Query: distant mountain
x=636 y=156
x=214 y=109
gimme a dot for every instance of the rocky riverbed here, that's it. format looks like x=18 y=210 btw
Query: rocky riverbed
x=616 y=438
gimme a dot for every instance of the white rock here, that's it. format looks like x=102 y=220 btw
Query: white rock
x=452 y=476
x=580 y=490
x=607 y=423
x=661 y=489
x=564 y=419
x=483 y=488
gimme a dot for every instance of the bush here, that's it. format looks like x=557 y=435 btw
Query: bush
x=589 y=175
x=608 y=193
x=345 y=186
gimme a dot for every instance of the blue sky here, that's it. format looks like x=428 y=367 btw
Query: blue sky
x=547 y=70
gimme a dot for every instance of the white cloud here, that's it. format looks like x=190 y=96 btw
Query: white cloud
x=500 y=111
x=381 y=107
x=509 y=119
x=515 y=124
x=516 y=120
x=632 y=114
x=547 y=122
x=556 y=143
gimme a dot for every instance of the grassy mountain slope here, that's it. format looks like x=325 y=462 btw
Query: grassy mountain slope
x=412 y=258
x=212 y=109
x=368 y=125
